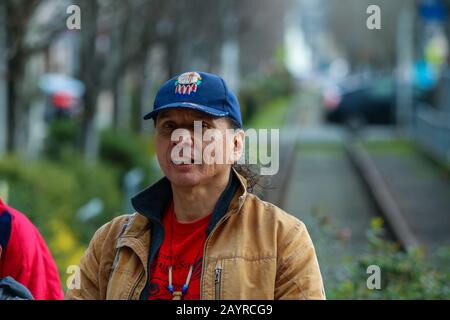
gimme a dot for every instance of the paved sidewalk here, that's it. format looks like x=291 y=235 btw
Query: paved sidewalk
x=421 y=189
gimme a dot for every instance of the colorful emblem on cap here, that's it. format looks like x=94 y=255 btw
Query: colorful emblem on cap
x=188 y=83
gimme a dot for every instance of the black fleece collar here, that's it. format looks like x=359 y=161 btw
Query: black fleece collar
x=152 y=202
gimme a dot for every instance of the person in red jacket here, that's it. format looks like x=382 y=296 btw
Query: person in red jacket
x=25 y=257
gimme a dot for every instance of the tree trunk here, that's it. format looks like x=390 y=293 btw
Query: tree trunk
x=116 y=102
x=15 y=75
x=90 y=75
x=90 y=135
x=3 y=82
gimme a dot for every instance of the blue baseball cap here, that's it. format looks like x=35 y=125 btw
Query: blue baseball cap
x=200 y=91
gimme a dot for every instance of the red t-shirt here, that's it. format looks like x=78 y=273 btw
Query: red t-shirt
x=182 y=246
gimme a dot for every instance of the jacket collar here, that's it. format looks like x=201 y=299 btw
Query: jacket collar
x=152 y=201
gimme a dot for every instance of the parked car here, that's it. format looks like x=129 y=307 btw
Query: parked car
x=359 y=102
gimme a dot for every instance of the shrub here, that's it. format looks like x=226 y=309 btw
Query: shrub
x=404 y=274
x=263 y=88
x=51 y=194
x=61 y=138
x=126 y=151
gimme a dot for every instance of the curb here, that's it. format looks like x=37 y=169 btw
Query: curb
x=276 y=191
x=379 y=192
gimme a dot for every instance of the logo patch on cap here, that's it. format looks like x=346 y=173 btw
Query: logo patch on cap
x=187 y=83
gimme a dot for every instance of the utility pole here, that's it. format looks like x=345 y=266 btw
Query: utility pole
x=3 y=80
x=405 y=59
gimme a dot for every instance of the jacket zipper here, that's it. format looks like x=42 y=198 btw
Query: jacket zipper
x=204 y=254
x=217 y=281
x=206 y=244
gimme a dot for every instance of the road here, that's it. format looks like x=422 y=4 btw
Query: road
x=324 y=190
x=323 y=185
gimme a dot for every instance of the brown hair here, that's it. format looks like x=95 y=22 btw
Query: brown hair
x=255 y=182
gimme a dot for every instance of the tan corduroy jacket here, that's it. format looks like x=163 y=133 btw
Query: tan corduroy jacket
x=253 y=251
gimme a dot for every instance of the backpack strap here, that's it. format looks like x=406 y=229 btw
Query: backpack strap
x=5 y=229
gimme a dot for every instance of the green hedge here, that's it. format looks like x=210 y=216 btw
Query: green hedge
x=51 y=194
x=52 y=190
x=263 y=88
x=125 y=150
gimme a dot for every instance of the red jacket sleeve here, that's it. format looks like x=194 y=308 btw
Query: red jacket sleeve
x=28 y=260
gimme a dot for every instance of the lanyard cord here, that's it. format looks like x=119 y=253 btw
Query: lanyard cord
x=191 y=268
